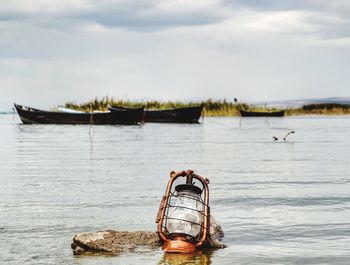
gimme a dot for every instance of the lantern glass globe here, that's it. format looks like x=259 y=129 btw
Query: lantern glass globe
x=185 y=217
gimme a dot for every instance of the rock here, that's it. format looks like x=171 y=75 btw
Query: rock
x=114 y=242
x=216 y=235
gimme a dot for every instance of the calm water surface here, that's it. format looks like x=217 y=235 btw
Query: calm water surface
x=278 y=202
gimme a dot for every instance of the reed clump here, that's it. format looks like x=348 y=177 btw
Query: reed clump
x=320 y=109
x=211 y=107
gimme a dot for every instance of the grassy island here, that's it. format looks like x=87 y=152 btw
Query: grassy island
x=211 y=107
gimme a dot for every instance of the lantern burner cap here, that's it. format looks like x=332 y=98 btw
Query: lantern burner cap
x=188 y=187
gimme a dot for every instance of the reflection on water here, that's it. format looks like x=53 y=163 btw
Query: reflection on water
x=199 y=258
x=91 y=135
x=278 y=202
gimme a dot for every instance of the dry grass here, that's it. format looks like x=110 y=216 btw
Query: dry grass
x=211 y=107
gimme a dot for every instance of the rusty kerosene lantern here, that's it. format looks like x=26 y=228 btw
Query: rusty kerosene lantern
x=183 y=215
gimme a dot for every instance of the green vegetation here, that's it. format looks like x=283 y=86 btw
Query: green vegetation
x=211 y=107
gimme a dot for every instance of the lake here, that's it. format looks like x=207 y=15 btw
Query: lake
x=279 y=202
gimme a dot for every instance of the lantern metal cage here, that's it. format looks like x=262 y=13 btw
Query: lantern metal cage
x=183 y=215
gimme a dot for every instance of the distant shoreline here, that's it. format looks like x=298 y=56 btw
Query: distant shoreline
x=214 y=108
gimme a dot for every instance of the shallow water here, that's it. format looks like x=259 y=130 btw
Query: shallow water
x=278 y=202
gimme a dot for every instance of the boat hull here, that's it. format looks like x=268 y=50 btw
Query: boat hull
x=35 y=116
x=261 y=114
x=177 y=115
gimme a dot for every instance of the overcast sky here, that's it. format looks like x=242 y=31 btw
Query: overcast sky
x=53 y=51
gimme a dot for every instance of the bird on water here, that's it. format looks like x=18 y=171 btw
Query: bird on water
x=284 y=138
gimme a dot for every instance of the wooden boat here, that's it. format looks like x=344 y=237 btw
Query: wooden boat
x=176 y=115
x=262 y=114
x=30 y=115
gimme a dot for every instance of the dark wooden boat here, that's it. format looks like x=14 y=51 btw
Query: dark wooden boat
x=176 y=115
x=262 y=114
x=30 y=115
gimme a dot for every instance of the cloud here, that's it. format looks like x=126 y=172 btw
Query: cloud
x=296 y=22
x=257 y=50
x=306 y=5
x=134 y=15
x=42 y=7
x=328 y=19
